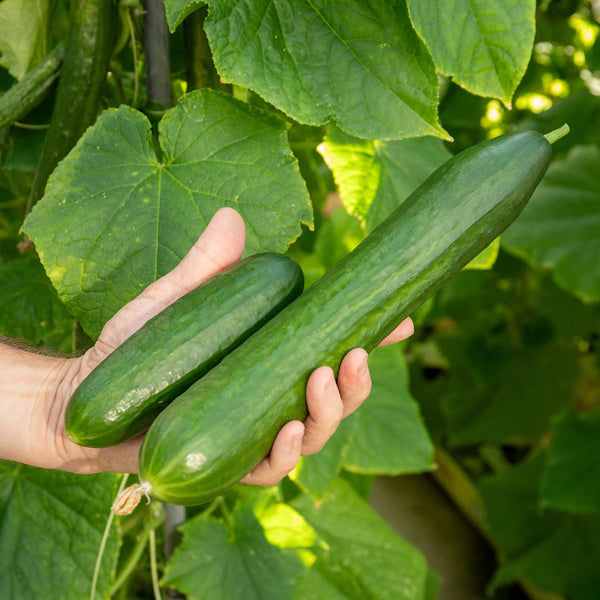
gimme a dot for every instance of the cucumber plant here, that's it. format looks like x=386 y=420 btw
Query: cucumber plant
x=315 y=121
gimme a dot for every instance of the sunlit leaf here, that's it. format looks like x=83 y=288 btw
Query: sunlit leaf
x=484 y=45
x=358 y=63
x=221 y=563
x=116 y=216
x=363 y=557
x=23 y=25
x=375 y=177
x=487 y=258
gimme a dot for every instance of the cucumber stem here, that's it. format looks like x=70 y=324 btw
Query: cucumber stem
x=555 y=135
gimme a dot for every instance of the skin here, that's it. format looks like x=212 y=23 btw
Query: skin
x=35 y=389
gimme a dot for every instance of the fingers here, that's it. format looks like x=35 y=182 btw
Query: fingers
x=325 y=409
x=402 y=332
x=284 y=456
x=354 y=380
x=220 y=245
x=328 y=403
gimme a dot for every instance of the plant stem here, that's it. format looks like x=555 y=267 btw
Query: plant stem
x=225 y=511
x=105 y=535
x=154 y=517
x=464 y=493
x=31 y=126
x=461 y=489
x=136 y=75
x=156 y=43
x=153 y=567
x=132 y=561
x=200 y=68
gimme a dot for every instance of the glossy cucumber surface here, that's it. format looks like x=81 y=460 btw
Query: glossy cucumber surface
x=222 y=426
x=125 y=392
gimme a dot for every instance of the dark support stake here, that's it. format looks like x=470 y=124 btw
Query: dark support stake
x=156 y=42
x=158 y=83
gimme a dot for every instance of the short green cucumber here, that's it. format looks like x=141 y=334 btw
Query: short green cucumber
x=29 y=91
x=125 y=392
x=222 y=426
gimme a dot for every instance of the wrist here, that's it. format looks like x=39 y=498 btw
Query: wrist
x=28 y=386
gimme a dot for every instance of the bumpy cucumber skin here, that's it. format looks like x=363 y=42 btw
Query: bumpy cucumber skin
x=222 y=426
x=124 y=393
x=85 y=64
x=27 y=93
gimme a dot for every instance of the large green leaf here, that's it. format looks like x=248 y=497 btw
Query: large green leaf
x=363 y=557
x=571 y=479
x=23 y=26
x=358 y=63
x=554 y=551
x=316 y=472
x=115 y=217
x=516 y=399
x=222 y=563
x=30 y=308
x=484 y=45
x=389 y=434
x=560 y=227
x=375 y=177
x=51 y=524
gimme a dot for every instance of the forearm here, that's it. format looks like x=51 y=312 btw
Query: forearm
x=27 y=380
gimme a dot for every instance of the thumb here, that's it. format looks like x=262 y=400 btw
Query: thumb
x=220 y=245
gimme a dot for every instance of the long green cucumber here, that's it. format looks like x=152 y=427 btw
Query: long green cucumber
x=28 y=92
x=89 y=45
x=222 y=426
x=125 y=392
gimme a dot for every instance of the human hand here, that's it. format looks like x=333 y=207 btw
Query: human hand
x=328 y=402
x=220 y=245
